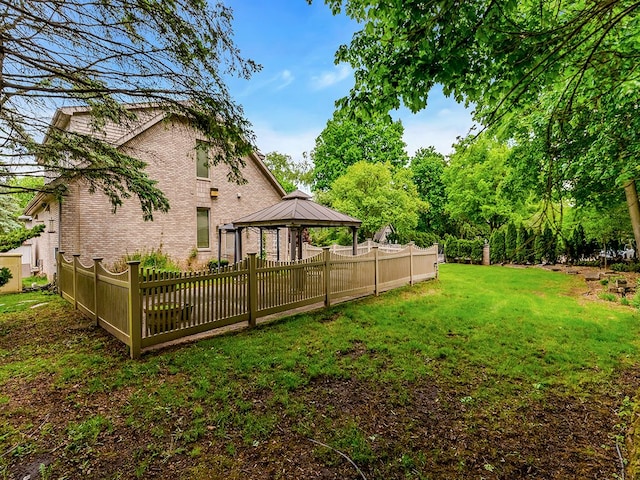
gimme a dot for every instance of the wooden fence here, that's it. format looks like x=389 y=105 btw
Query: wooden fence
x=143 y=308
x=362 y=248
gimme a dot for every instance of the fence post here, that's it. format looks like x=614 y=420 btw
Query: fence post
x=486 y=254
x=59 y=271
x=410 y=263
x=326 y=257
x=376 y=271
x=135 y=311
x=96 y=262
x=253 y=290
x=76 y=259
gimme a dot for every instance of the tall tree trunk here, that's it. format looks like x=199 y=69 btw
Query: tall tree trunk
x=634 y=211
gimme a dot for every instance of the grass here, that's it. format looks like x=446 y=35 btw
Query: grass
x=479 y=353
x=37 y=280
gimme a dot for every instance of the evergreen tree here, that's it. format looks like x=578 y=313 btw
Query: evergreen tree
x=521 y=245
x=538 y=247
x=550 y=253
x=496 y=245
x=578 y=243
x=511 y=241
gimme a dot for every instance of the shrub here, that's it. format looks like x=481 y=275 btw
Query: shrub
x=154 y=259
x=5 y=276
x=609 y=297
x=213 y=264
x=588 y=263
x=625 y=267
x=458 y=249
x=424 y=239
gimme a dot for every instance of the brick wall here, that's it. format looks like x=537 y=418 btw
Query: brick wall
x=91 y=229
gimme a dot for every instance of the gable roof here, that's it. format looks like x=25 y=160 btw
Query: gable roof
x=297 y=210
x=77 y=119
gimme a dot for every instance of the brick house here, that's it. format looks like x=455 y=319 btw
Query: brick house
x=201 y=199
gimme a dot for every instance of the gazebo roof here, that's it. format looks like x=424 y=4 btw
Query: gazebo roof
x=297 y=210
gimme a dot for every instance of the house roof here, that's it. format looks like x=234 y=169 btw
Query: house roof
x=297 y=210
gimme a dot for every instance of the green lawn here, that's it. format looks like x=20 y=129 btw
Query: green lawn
x=489 y=372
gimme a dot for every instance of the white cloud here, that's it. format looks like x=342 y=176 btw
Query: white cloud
x=285 y=78
x=275 y=82
x=289 y=143
x=440 y=131
x=328 y=78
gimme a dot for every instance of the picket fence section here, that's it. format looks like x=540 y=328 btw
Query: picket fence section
x=143 y=308
x=362 y=248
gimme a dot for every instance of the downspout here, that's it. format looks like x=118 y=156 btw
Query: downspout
x=219 y=247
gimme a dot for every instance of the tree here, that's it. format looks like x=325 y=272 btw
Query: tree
x=12 y=204
x=566 y=68
x=100 y=55
x=609 y=229
x=549 y=245
x=477 y=182
x=14 y=238
x=578 y=243
x=428 y=167
x=522 y=245
x=288 y=173
x=497 y=246
x=378 y=196
x=511 y=242
x=9 y=212
x=344 y=142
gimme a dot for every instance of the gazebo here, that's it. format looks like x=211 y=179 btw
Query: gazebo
x=296 y=212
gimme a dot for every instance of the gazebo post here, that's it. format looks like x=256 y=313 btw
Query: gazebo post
x=277 y=244
x=354 y=235
x=261 y=245
x=237 y=252
x=292 y=244
x=299 y=243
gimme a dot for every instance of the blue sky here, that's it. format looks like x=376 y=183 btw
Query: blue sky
x=290 y=100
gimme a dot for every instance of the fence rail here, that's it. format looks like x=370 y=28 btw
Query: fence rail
x=143 y=307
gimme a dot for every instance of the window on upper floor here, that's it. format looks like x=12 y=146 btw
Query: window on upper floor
x=202 y=159
x=203 y=228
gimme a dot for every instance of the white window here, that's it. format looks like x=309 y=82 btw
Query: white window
x=203 y=227
x=202 y=159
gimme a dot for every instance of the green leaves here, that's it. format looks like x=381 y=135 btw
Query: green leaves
x=15 y=238
x=559 y=77
x=379 y=197
x=172 y=54
x=288 y=173
x=477 y=183
x=346 y=141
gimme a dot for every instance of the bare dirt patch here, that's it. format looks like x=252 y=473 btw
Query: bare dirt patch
x=598 y=281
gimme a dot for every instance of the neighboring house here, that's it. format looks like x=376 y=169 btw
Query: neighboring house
x=382 y=235
x=201 y=199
